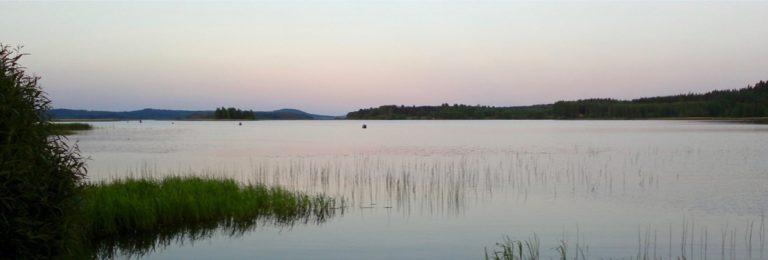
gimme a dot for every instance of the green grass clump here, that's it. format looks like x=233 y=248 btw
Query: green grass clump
x=136 y=216
x=69 y=128
x=131 y=207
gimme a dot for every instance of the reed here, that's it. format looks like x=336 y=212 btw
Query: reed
x=129 y=207
x=515 y=249
x=647 y=245
x=69 y=128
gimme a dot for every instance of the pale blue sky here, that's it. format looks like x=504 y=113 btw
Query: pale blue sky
x=338 y=56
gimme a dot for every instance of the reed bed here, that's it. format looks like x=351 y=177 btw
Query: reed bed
x=69 y=128
x=131 y=206
x=135 y=216
x=686 y=241
x=447 y=184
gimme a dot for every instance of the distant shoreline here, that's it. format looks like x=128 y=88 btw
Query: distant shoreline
x=61 y=114
x=182 y=120
x=750 y=120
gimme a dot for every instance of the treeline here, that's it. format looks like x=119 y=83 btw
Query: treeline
x=751 y=101
x=455 y=111
x=233 y=113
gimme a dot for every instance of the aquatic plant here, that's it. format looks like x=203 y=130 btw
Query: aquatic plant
x=135 y=215
x=515 y=249
x=132 y=206
x=69 y=128
x=691 y=246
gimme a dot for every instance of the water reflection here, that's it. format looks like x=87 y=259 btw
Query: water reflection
x=626 y=184
x=143 y=244
x=449 y=184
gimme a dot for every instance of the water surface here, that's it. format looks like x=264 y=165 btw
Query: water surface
x=448 y=189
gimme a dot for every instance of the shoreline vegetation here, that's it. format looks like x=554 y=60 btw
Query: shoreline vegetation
x=233 y=114
x=749 y=102
x=40 y=173
x=134 y=215
x=69 y=128
x=137 y=205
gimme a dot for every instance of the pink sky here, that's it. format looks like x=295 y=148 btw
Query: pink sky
x=335 y=57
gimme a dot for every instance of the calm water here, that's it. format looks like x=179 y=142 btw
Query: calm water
x=448 y=189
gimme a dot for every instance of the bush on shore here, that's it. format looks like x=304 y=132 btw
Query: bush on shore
x=39 y=173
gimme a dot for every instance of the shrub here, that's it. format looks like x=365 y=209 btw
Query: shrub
x=39 y=173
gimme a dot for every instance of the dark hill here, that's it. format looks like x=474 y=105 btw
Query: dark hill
x=164 y=114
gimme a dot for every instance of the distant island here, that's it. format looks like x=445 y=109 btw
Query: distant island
x=751 y=101
x=233 y=113
x=165 y=114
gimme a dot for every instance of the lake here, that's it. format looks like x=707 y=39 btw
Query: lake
x=449 y=189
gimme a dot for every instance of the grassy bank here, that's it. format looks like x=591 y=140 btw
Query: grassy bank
x=135 y=216
x=69 y=128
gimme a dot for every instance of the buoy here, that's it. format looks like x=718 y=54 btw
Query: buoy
x=365 y=126
x=241 y=123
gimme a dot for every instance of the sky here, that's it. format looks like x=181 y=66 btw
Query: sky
x=333 y=57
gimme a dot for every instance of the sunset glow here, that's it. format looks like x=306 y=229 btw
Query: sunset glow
x=332 y=58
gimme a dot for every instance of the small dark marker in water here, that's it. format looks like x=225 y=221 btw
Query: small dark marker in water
x=241 y=123
x=365 y=126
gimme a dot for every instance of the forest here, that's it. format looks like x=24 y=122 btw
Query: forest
x=751 y=101
x=233 y=113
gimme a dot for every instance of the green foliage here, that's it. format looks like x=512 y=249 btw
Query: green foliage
x=134 y=206
x=135 y=215
x=39 y=173
x=69 y=128
x=751 y=101
x=233 y=113
x=455 y=111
